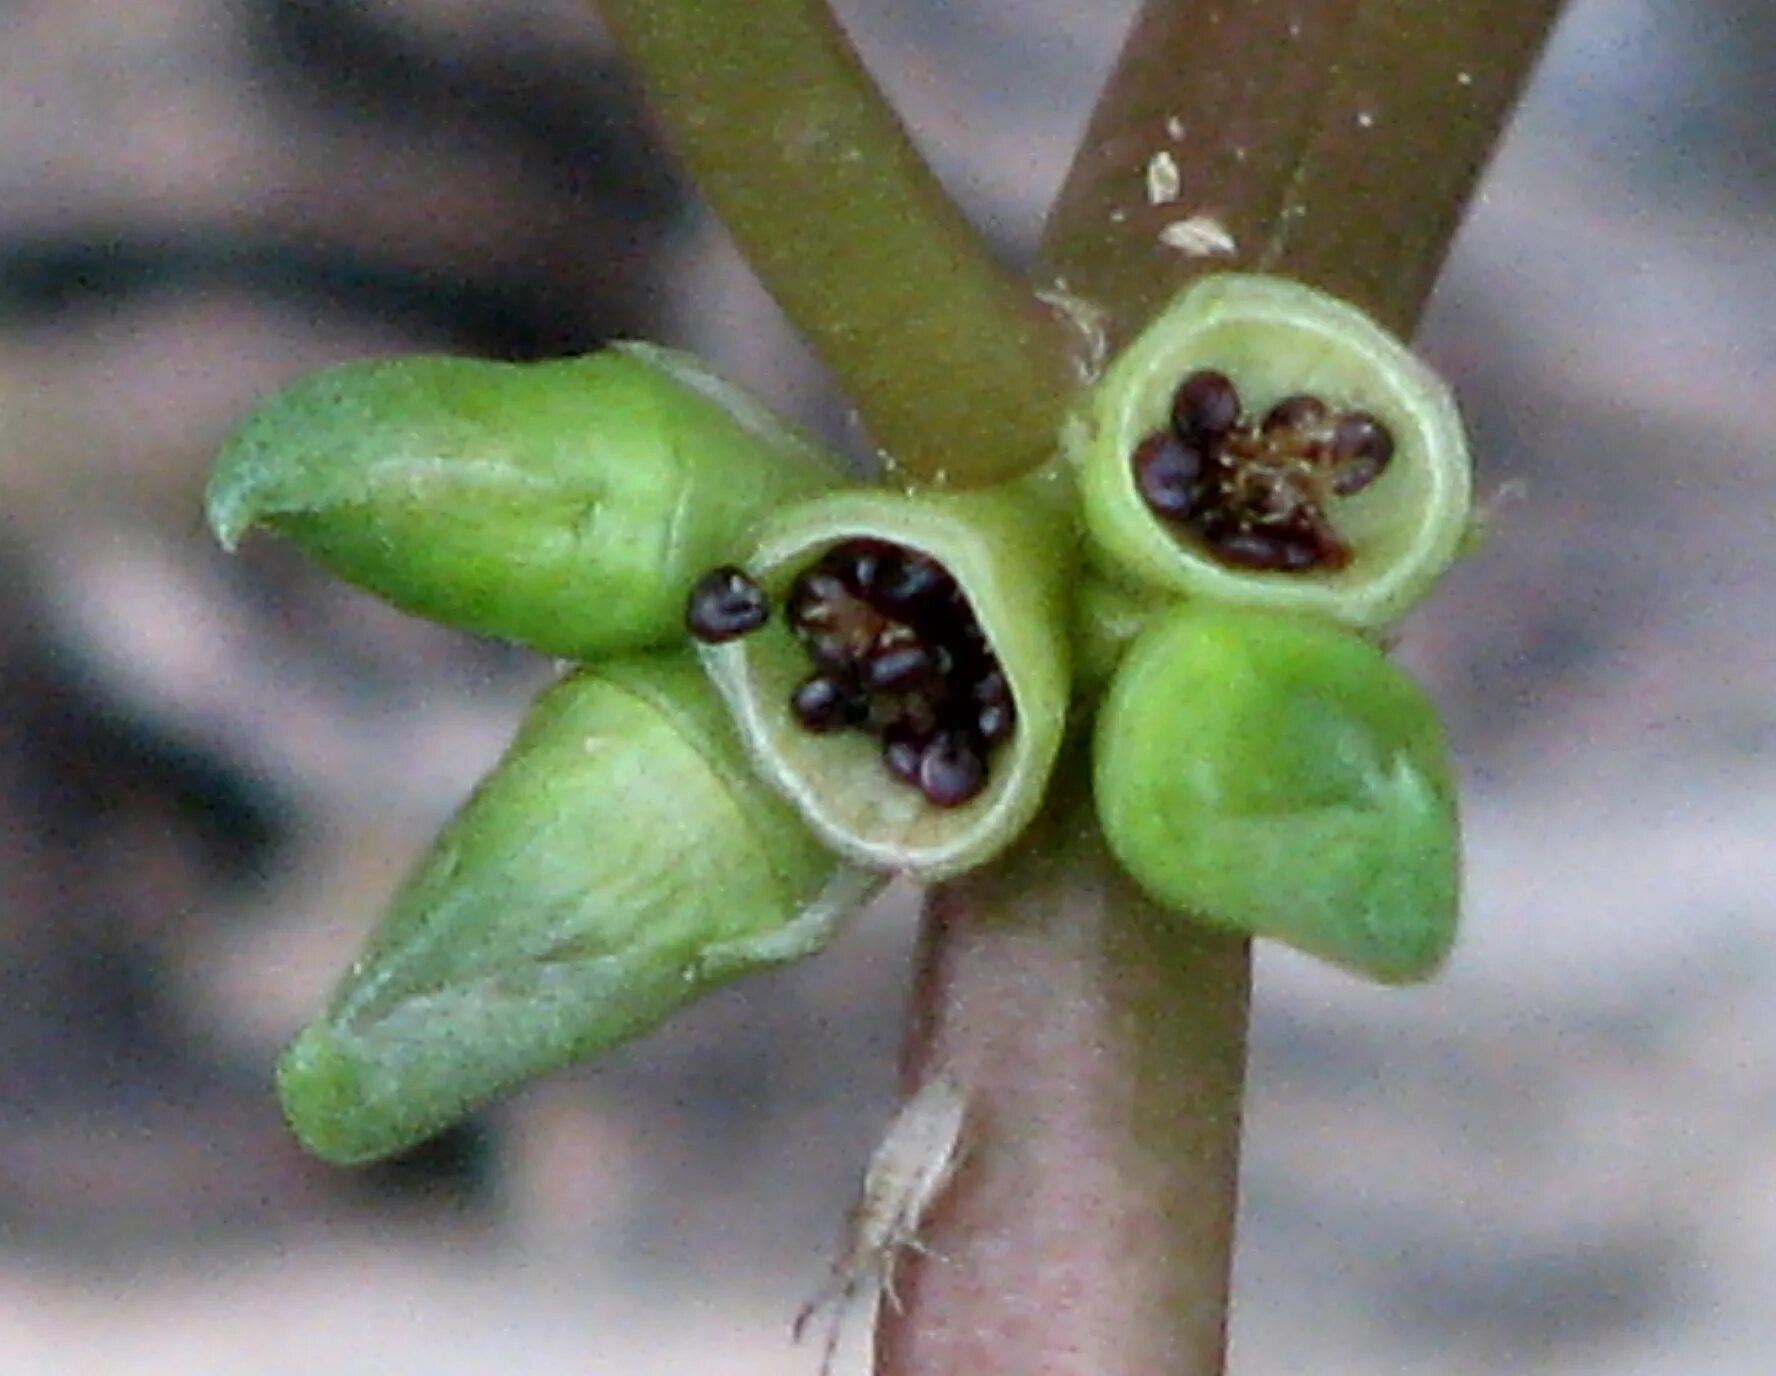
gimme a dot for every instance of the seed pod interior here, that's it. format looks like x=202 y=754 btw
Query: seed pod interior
x=1392 y=526
x=816 y=741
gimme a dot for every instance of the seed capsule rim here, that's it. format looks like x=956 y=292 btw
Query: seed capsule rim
x=558 y=914
x=1033 y=657
x=1133 y=401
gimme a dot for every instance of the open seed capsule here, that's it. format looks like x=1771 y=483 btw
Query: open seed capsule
x=1265 y=444
x=565 y=505
x=909 y=700
x=1276 y=775
x=621 y=860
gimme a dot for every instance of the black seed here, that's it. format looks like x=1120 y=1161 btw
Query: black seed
x=903 y=714
x=1360 y=449
x=862 y=563
x=724 y=603
x=902 y=753
x=953 y=621
x=824 y=702
x=1205 y=406
x=1279 y=550
x=814 y=598
x=833 y=651
x=898 y=665
x=995 y=712
x=909 y=584
x=951 y=769
x=996 y=721
x=1298 y=412
x=831 y=620
x=1215 y=523
x=1169 y=475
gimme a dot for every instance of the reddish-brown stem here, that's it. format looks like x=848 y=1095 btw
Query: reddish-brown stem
x=1087 y=1230
x=1335 y=142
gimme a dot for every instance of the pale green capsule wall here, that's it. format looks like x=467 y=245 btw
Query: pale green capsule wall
x=616 y=864
x=1274 y=337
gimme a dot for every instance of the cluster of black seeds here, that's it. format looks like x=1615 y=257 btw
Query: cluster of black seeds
x=1255 y=493
x=895 y=651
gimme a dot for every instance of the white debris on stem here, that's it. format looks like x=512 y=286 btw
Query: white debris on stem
x=1199 y=236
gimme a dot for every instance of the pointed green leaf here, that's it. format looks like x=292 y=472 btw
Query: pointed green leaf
x=565 y=505
x=1277 y=776
x=617 y=863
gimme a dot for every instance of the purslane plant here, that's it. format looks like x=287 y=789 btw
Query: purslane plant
x=888 y=674
x=1331 y=147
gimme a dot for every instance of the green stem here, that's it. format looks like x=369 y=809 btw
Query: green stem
x=957 y=373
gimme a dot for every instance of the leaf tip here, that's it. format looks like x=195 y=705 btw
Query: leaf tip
x=321 y=1089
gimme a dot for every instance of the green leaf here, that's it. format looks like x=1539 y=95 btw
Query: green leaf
x=619 y=862
x=1277 y=776
x=565 y=505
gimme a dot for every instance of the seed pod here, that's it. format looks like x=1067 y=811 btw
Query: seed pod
x=618 y=862
x=1354 y=523
x=565 y=505
x=905 y=793
x=1276 y=775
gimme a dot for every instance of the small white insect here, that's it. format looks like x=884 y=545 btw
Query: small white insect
x=907 y=1172
x=1199 y=236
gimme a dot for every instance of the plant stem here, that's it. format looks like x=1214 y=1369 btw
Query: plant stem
x=1102 y=1043
x=955 y=370
x=1336 y=143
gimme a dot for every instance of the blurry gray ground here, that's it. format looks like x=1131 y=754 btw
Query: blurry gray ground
x=1560 y=1158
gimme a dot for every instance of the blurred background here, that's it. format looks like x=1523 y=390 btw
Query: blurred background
x=1560 y=1158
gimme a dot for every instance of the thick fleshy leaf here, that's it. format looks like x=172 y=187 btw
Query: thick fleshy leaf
x=619 y=862
x=1278 y=776
x=565 y=505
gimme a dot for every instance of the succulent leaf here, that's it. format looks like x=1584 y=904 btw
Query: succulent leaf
x=620 y=861
x=1277 y=776
x=566 y=505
